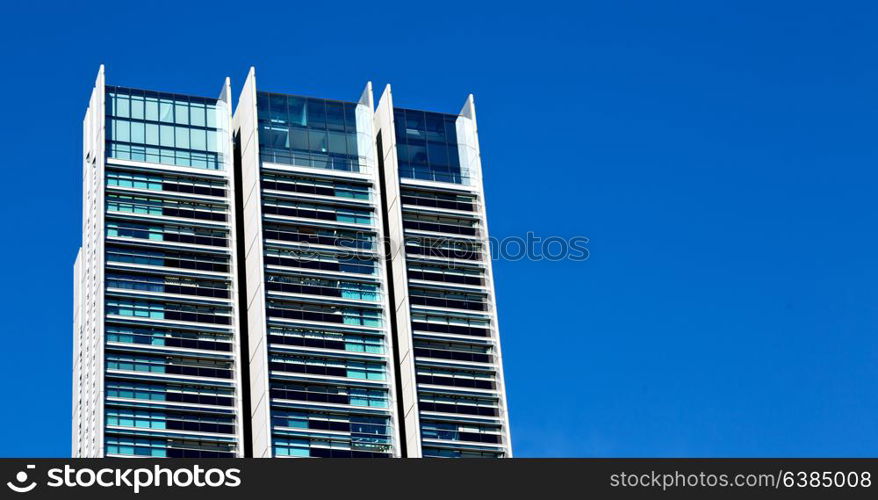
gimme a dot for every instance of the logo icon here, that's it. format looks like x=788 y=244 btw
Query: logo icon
x=21 y=477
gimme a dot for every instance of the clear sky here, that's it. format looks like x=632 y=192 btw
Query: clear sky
x=720 y=156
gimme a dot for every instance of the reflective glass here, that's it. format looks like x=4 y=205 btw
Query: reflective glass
x=182 y=128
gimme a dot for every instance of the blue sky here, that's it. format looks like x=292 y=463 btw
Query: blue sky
x=720 y=156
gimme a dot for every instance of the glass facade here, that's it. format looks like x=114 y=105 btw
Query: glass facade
x=171 y=225
x=426 y=146
x=168 y=327
x=327 y=345
x=309 y=132
x=451 y=320
x=163 y=128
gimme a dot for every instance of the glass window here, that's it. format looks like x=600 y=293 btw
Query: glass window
x=317 y=140
x=350 y=117
x=454 y=157
x=296 y=111
x=137 y=107
x=337 y=143
x=211 y=116
x=437 y=153
x=181 y=137
x=166 y=135
x=416 y=154
x=299 y=139
x=352 y=145
x=308 y=132
x=137 y=131
x=435 y=127
x=152 y=133
x=166 y=111
x=316 y=113
x=121 y=130
x=427 y=146
x=181 y=113
x=334 y=116
x=198 y=139
x=274 y=136
x=197 y=114
x=121 y=108
x=414 y=125
x=278 y=108
x=450 y=131
x=152 y=108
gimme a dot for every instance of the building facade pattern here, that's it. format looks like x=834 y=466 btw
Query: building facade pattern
x=317 y=311
x=157 y=342
x=306 y=278
x=454 y=403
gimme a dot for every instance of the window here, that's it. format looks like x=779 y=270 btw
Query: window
x=325 y=339
x=328 y=366
x=309 y=132
x=163 y=128
x=427 y=146
x=323 y=287
x=315 y=186
x=152 y=133
x=116 y=178
x=172 y=233
x=145 y=309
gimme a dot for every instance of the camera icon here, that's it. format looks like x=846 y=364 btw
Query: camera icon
x=21 y=478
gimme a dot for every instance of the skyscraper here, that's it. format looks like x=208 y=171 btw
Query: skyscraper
x=321 y=376
x=156 y=335
x=453 y=398
x=310 y=278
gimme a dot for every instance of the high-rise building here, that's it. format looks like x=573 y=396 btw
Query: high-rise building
x=320 y=350
x=452 y=397
x=310 y=278
x=156 y=332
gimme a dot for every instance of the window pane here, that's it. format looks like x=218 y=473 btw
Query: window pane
x=299 y=139
x=351 y=117
x=435 y=127
x=414 y=124
x=196 y=111
x=211 y=116
x=152 y=109
x=182 y=137
x=121 y=108
x=122 y=130
x=166 y=111
x=337 y=143
x=137 y=107
x=317 y=140
x=199 y=139
x=316 y=114
x=181 y=113
x=334 y=116
x=453 y=156
x=278 y=107
x=137 y=131
x=450 y=131
x=438 y=153
x=296 y=110
x=152 y=133
x=167 y=135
